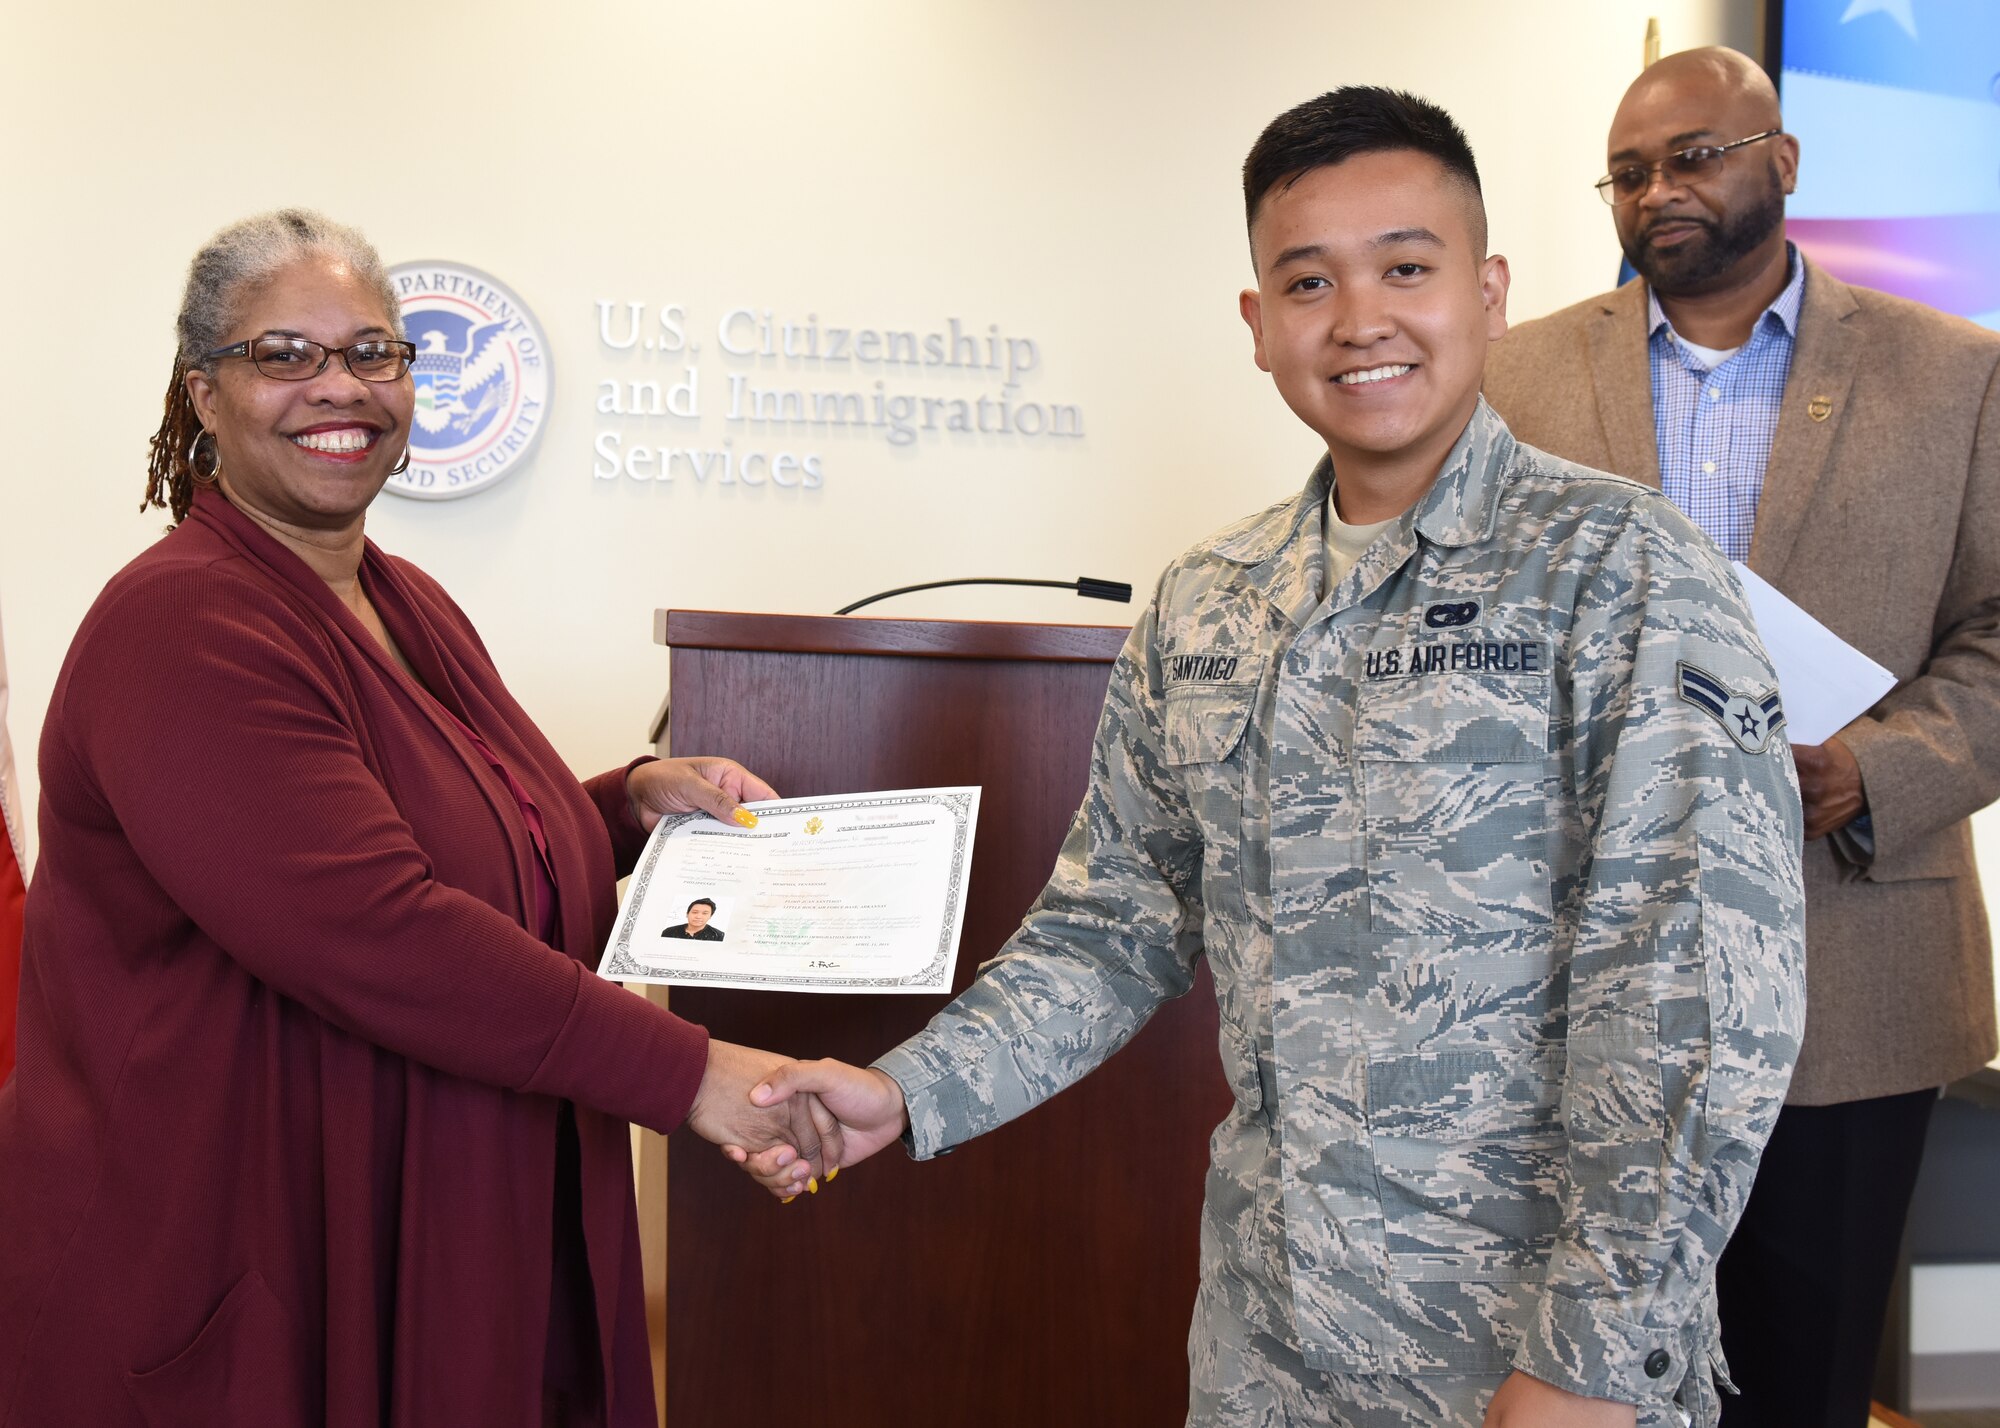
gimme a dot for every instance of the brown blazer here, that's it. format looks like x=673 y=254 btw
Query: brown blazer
x=1882 y=519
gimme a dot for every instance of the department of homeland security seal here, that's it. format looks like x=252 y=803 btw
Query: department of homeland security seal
x=482 y=377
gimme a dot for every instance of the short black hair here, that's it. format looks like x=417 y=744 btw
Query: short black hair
x=1357 y=119
x=699 y=901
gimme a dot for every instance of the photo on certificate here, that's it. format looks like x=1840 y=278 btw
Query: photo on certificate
x=859 y=892
x=703 y=921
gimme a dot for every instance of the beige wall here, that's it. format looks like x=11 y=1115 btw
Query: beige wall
x=1066 y=171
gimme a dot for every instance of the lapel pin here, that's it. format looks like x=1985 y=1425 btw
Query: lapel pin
x=1820 y=408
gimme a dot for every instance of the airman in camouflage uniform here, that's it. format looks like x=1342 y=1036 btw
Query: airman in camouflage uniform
x=1490 y=836
x=1504 y=919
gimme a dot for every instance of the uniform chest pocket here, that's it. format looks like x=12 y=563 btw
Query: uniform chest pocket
x=1204 y=723
x=1455 y=785
x=1203 y=728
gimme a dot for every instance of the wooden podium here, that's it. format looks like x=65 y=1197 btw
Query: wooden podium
x=1043 y=1274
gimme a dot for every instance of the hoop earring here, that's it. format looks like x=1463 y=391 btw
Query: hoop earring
x=401 y=466
x=194 y=460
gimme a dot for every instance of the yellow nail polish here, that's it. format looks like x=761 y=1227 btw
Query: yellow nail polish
x=831 y=1174
x=745 y=817
x=788 y=1199
x=812 y=1186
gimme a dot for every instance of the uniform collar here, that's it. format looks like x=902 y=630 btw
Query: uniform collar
x=1462 y=506
x=1283 y=545
x=1459 y=509
x=1283 y=549
x=1255 y=539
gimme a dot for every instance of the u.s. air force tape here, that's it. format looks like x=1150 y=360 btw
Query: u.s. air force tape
x=1528 y=658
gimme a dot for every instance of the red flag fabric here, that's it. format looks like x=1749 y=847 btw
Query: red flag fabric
x=13 y=886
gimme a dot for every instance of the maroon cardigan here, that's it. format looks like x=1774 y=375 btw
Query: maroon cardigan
x=281 y=1145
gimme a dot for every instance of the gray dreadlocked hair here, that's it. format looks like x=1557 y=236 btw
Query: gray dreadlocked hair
x=228 y=267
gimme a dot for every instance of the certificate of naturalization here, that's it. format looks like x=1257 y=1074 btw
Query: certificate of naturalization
x=859 y=892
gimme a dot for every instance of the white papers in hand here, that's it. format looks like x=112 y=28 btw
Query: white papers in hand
x=1825 y=682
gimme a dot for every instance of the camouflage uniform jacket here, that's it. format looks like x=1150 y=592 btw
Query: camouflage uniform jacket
x=1494 y=854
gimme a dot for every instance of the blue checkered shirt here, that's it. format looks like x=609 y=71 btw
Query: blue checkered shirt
x=1714 y=427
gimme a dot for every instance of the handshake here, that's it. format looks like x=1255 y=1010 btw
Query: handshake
x=787 y=1123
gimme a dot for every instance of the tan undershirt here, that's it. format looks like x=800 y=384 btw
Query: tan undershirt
x=1345 y=543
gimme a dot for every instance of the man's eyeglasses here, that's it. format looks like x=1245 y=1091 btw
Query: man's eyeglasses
x=1682 y=169
x=295 y=359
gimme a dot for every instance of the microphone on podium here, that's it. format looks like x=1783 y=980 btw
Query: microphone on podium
x=1083 y=585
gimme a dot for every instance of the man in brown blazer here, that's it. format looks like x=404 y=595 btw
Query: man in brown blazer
x=1847 y=445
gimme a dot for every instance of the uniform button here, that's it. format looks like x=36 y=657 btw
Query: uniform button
x=1657 y=1363
x=1709 y=467
x=1714 y=393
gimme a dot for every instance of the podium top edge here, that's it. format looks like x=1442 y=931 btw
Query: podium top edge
x=917 y=639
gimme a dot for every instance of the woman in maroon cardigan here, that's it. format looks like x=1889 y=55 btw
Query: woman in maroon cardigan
x=321 y=1113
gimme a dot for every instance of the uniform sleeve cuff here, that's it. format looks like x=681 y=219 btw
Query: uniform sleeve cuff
x=927 y=1134
x=1600 y=1355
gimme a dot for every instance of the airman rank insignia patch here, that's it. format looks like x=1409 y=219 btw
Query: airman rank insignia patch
x=1749 y=719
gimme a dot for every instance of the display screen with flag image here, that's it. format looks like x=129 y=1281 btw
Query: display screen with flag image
x=13 y=885
x=1896 y=105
